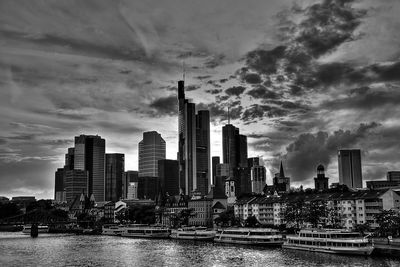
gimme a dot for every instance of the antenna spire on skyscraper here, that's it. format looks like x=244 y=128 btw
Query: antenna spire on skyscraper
x=229 y=118
x=183 y=70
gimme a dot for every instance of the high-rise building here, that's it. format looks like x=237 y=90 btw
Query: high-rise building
x=59 y=188
x=258 y=176
x=148 y=188
x=321 y=182
x=194 y=141
x=129 y=177
x=69 y=159
x=393 y=176
x=151 y=149
x=115 y=167
x=89 y=155
x=215 y=162
x=234 y=150
x=75 y=183
x=168 y=173
x=203 y=151
x=349 y=163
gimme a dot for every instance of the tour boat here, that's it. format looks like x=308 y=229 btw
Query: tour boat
x=145 y=231
x=193 y=233
x=249 y=236
x=330 y=241
x=112 y=230
x=41 y=229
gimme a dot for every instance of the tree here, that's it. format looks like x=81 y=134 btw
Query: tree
x=362 y=228
x=316 y=212
x=227 y=218
x=389 y=223
x=144 y=214
x=295 y=213
x=251 y=221
x=9 y=209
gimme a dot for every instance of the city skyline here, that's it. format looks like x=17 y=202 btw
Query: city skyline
x=300 y=86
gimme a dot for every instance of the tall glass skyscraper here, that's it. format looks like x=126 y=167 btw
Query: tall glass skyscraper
x=89 y=155
x=194 y=146
x=151 y=149
x=349 y=163
x=115 y=168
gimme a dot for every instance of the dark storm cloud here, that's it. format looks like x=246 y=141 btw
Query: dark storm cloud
x=309 y=150
x=219 y=113
x=215 y=61
x=221 y=98
x=257 y=112
x=165 y=105
x=252 y=78
x=223 y=80
x=365 y=98
x=120 y=127
x=214 y=83
x=203 y=77
x=235 y=90
x=3 y=141
x=192 y=87
x=214 y=91
x=261 y=92
x=265 y=61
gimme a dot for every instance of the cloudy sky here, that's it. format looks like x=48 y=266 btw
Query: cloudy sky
x=302 y=79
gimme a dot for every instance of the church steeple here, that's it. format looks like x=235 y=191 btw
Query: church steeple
x=281 y=173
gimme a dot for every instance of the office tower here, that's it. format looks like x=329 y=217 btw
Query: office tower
x=203 y=151
x=132 y=191
x=151 y=149
x=168 y=173
x=253 y=162
x=75 y=183
x=115 y=167
x=148 y=187
x=280 y=181
x=129 y=177
x=393 y=176
x=229 y=146
x=69 y=159
x=221 y=174
x=59 y=187
x=258 y=176
x=215 y=162
x=193 y=146
x=321 y=182
x=89 y=155
x=349 y=162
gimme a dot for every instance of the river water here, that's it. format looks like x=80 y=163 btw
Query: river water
x=17 y=249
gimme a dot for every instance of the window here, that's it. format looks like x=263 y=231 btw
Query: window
x=360 y=208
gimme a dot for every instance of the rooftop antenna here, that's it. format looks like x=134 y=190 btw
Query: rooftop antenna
x=183 y=70
x=229 y=118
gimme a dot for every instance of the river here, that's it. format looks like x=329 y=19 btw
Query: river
x=17 y=249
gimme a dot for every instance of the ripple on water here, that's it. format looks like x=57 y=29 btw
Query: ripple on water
x=17 y=249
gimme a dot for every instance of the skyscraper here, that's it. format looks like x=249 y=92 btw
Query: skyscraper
x=128 y=178
x=258 y=177
x=349 y=163
x=69 y=159
x=151 y=149
x=75 y=183
x=115 y=167
x=89 y=155
x=393 y=176
x=194 y=141
x=215 y=162
x=168 y=172
x=203 y=151
x=59 y=187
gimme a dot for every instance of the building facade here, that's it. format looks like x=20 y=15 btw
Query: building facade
x=89 y=155
x=321 y=182
x=349 y=163
x=128 y=178
x=59 y=186
x=115 y=170
x=168 y=172
x=203 y=164
x=151 y=149
x=393 y=176
x=75 y=184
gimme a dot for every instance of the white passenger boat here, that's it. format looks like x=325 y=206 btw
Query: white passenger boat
x=112 y=230
x=193 y=233
x=41 y=229
x=330 y=241
x=249 y=236
x=145 y=231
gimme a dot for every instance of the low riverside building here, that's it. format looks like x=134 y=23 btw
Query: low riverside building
x=202 y=212
x=349 y=208
x=171 y=209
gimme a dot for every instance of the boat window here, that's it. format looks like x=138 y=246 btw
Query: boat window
x=308 y=243
x=322 y=244
x=323 y=235
x=315 y=235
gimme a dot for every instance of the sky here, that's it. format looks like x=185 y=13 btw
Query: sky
x=302 y=79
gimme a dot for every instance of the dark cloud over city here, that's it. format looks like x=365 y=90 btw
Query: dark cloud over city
x=300 y=78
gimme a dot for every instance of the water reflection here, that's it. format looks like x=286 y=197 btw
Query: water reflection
x=17 y=249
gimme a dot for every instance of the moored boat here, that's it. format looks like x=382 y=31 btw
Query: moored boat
x=145 y=231
x=249 y=236
x=330 y=241
x=193 y=233
x=115 y=230
x=41 y=229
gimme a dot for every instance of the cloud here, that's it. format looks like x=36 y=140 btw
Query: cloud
x=235 y=90
x=165 y=105
x=261 y=92
x=308 y=150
